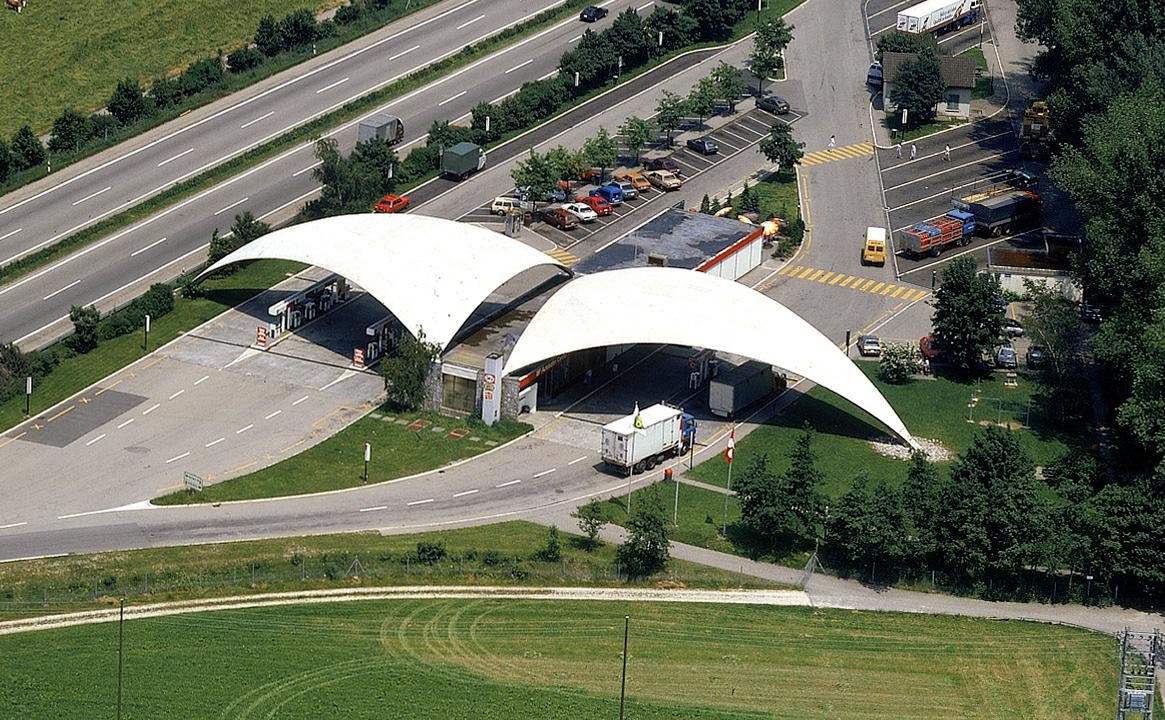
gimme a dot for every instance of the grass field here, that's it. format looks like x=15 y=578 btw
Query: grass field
x=486 y=659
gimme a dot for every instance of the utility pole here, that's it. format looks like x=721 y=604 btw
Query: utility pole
x=120 y=652
x=623 y=682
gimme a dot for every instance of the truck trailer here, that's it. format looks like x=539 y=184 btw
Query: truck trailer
x=938 y=16
x=933 y=236
x=462 y=160
x=643 y=439
x=735 y=388
x=381 y=126
x=997 y=213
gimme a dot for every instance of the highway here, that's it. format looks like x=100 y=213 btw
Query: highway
x=112 y=271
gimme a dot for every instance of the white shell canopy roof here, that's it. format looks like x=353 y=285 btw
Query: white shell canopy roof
x=430 y=272
x=680 y=307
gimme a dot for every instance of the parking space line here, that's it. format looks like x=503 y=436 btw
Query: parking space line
x=110 y=386
x=66 y=410
x=746 y=141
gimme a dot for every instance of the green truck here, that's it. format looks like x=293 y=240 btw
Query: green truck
x=462 y=160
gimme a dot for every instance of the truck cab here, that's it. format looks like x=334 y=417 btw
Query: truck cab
x=874 y=249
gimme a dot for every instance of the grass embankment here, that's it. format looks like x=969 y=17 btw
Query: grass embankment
x=501 y=554
x=77 y=372
x=402 y=444
x=532 y=659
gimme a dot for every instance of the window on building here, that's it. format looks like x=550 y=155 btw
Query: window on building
x=458 y=394
x=953 y=102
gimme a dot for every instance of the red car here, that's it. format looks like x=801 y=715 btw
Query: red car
x=598 y=204
x=392 y=204
x=928 y=348
x=559 y=218
x=591 y=174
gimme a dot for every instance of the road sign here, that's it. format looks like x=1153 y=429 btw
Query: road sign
x=192 y=482
x=261 y=335
x=358 y=357
x=488 y=378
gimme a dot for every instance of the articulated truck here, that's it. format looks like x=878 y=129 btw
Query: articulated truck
x=647 y=437
x=938 y=16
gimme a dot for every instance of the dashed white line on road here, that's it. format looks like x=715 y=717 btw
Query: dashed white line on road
x=202 y=379
x=249 y=123
x=576 y=38
x=5 y=236
x=94 y=439
x=236 y=203
x=272 y=414
x=152 y=408
x=127 y=422
x=212 y=443
x=177 y=394
x=464 y=493
x=87 y=197
x=54 y=293
x=644 y=7
x=374 y=509
x=325 y=88
x=181 y=154
x=470 y=22
x=244 y=429
x=403 y=53
x=300 y=400
x=313 y=166
x=549 y=75
x=177 y=457
x=13 y=525
x=139 y=251
x=545 y=472
x=507 y=484
x=420 y=502
x=451 y=99
x=519 y=66
x=577 y=460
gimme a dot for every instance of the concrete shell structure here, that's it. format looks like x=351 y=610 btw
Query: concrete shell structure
x=431 y=273
x=680 y=307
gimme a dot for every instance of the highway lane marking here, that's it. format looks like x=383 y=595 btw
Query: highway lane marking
x=58 y=292
x=272 y=414
x=498 y=99
x=139 y=251
x=451 y=99
x=244 y=429
x=99 y=437
x=373 y=509
x=9 y=441
x=545 y=472
x=506 y=484
x=403 y=53
x=88 y=197
x=200 y=380
x=577 y=460
x=326 y=88
x=127 y=422
x=177 y=394
x=181 y=154
x=313 y=166
x=249 y=123
x=519 y=66
x=466 y=24
x=419 y=502
x=178 y=457
x=152 y=408
x=576 y=38
x=12 y=525
x=299 y=400
x=212 y=443
x=228 y=207
x=66 y=410
x=644 y=7
x=5 y=236
x=464 y=493
x=110 y=386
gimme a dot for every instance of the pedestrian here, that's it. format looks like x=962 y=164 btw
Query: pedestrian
x=587 y=377
x=926 y=366
x=832 y=142
x=947 y=152
x=913 y=151
x=898 y=151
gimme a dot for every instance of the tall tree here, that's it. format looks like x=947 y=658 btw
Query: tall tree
x=377 y=158
x=669 y=113
x=636 y=133
x=866 y=528
x=347 y=187
x=536 y=172
x=781 y=513
x=780 y=147
x=268 y=40
x=906 y=43
x=591 y=61
x=729 y=85
x=919 y=88
x=670 y=30
x=646 y=550
x=407 y=373
x=70 y=132
x=922 y=504
x=715 y=18
x=127 y=103
x=702 y=98
x=630 y=38
x=26 y=148
x=7 y=162
x=591 y=521
x=768 y=47
x=967 y=318
x=601 y=151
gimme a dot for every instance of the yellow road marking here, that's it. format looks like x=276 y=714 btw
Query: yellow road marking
x=848 y=280
x=826 y=276
x=867 y=284
x=168 y=488
x=54 y=417
x=293 y=445
x=816 y=275
x=241 y=467
x=877 y=287
x=111 y=385
x=897 y=292
x=86 y=400
x=888 y=289
x=37 y=426
x=805 y=274
x=837 y=277
x=785 y=270
x=152 y=363
x=9 y=441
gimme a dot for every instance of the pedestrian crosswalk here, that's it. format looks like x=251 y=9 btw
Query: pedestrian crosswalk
x=852 y=282
x=845 y=152
x=562 y=256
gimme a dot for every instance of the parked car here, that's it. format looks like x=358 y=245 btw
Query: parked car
x=773 y=103
x=1011 y=327
x=1034 y=356
x=610 y=192
x=582 y=211
x=928 y=347
x=664 y=163
x=869 y=346
x=392 y=204
x=630 y=192
x=592 y=13
x=503 y=204
x=703 y=145
x=636 y=179
x=598 y=204
x=591 y=175
x=1006 y=358
x=664 y=180
x=1020 y=179
x=559 y=218
x=1090 y=313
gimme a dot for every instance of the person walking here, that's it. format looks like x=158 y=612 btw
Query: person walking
x=913 y=151
x=947 y=152
x=898 y=151
x=832 y=142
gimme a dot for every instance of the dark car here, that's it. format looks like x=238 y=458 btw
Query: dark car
x=559 y=218
x=704 y=145
x=774 y=104
x=664 y=163
x=1034 y=356
x=1090 y=313
x=592 y=13
x=1020 y=179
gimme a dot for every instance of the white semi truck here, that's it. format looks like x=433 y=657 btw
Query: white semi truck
x=938 y=16
x=646 y=437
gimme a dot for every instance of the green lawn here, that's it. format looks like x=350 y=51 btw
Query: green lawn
x=338 y=462
x=485 y=659
x=701 y=514
x=984 y=83
x=79 y=372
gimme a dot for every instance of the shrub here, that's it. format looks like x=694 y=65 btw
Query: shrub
x=101 y=125
x=7 y=162
x=297 y=29
x=201 y=75
x=70 y=132
x=244 y=59
x=349 y=14
x=552 y=551
x=127 y=103
x=268 y=38
x=430 y=553
x=85 y=328
x=899 y=361
x=26 y=149
x=166 y=92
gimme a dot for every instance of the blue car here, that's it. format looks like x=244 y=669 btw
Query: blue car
x=610 y=192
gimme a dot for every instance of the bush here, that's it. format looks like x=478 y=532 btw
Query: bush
x=127 y=103
x=166 y=92
x=85 y=328
x=349 y=14
x=70 y=132
x=552 y=551
x=297 y=29
x=201 y=75
x=156 y=302
x=898 y=363
x=430 y=553
x=101 y=126
x=26 y=149
x=244 y=59
x=268 y=38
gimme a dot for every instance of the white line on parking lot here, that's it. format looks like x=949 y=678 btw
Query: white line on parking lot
x=5 y=236
x=374 y=509
x=313 y=166
x=326 y=88
x=127 y=422
x=519 y=66
x=249 y=123
x=300 y=400
x=403 y=53
x=236 y=203
x=577 y=460
x=212 y=443
x=87 y=197
x=244 y=429
x=451 y=99
x=177 y=393
x=470 y=22
x=58 y=292
x=272 y=414
x=463 y=493
x=506 y=484
x=200 y=380
x=177 y=457
x=94 y=439
x=152 y=408
x=420 y=502
x=139 y=251
x=184 y=153
x=545 y=472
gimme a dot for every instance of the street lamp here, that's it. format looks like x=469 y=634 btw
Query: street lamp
x=1088 y=592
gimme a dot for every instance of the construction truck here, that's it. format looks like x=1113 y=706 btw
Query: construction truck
x=647 y=437
x=1035 y=136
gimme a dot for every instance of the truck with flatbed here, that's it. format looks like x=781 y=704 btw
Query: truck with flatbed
x=1002 y=209
x=647 y=437
x=736 y=387
x=933 y=236
x=462 y=160
x=938 y=16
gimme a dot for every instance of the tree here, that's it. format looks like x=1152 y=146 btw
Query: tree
x=715 y=18
x=297 y=29
x=922 y=498
x=919 y=88
x=348 y=187
x=780 y=147
x=899 y=361
x=591 y=521
x=7 y=162
x=800 y=485
x=669 y=113
x=866 y=527
x=601 y=151
x=85 y=328
x=967 y=317
x=1054 y=325
x=646 y=550
x=768 y=47
x=629 y=38
x=205 y=73
x=407 y=373
x=70 y=132
x=268 y=39
x=706 y=205
x=591 y=58
x=702 y=98
x=220 y=246
x=749 y=199
x=377 y=160
x=1143 y=413
x=536 y=172
x=729 y=85
x=246 y=228
x=244 y=59
x=677 y=30
x=165 y=93
x=26 y=148
x=127 y=103
x=781 y=513
x=552 y=550
x=901 y=42
x=636 y=133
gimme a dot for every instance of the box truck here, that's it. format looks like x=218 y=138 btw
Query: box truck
x=381 y=127
x=646 y=437
x=462 y=160
x=998 y=212
x=938 y=16
x=735 y=388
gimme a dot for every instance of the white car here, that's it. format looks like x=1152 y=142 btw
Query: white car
x=583 y=212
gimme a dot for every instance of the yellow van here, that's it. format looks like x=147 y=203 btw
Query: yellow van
x=874 y=250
